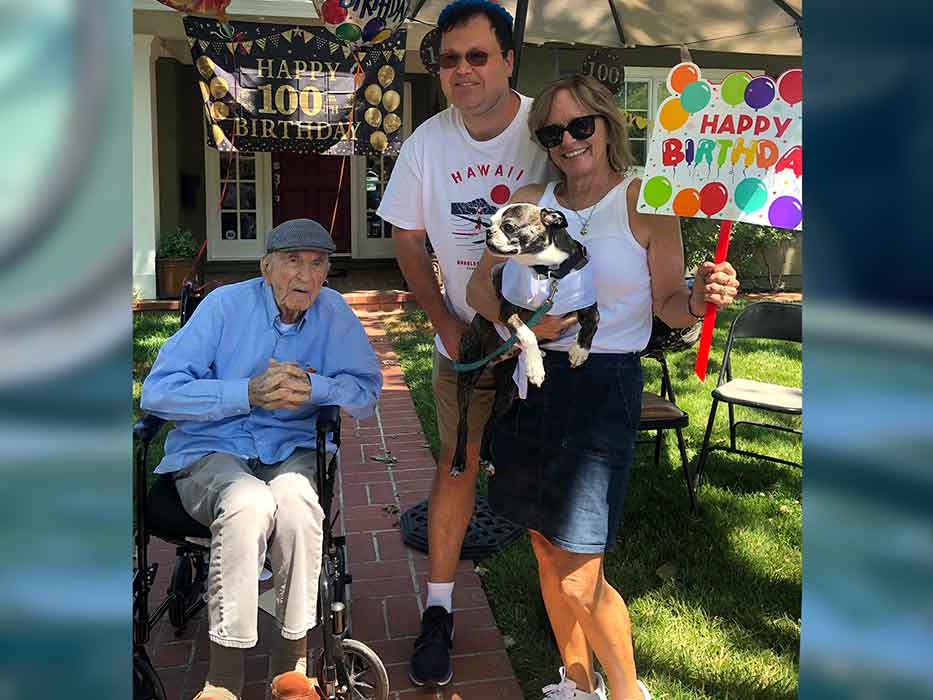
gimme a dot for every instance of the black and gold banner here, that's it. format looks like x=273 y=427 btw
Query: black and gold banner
x=273 y=87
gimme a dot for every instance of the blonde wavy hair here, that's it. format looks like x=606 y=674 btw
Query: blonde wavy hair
x=598 y=100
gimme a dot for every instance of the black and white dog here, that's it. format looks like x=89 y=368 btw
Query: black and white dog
x=538 y=238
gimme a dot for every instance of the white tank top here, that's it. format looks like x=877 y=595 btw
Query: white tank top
x=618 y=268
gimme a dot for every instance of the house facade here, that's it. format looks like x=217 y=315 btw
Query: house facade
x=178 y=178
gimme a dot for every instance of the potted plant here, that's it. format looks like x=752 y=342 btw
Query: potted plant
x=174 y=260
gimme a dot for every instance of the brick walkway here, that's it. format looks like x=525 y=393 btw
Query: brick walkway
x=387 y=593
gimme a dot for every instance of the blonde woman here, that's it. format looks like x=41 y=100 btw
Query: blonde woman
x=563 y=456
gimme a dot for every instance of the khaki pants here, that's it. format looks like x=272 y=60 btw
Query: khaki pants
x=444 y=381
x=252 y=508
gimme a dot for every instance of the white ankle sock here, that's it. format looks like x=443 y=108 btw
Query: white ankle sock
x=440 y=594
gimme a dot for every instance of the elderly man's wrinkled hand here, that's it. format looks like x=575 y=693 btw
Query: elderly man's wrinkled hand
x=282 y=385
x=717 y=284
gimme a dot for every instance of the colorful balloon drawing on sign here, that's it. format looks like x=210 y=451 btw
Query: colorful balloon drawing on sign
x=729 y=151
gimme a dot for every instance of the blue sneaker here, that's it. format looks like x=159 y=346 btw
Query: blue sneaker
x=430 y=662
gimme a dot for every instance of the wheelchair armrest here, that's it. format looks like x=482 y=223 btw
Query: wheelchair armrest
x=328 y=419
x=146 y=428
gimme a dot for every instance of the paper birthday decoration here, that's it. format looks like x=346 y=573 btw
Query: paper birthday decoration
x=730 y=151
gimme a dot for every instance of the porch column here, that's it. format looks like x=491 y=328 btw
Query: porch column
x=145 y=166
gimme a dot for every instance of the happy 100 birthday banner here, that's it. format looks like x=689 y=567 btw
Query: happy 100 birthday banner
x=732 y=151
x=271 y=87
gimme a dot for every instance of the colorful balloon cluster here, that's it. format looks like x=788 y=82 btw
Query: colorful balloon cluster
x=759 y=92
x=692 y=95
x=750 y=195
x=362 y=25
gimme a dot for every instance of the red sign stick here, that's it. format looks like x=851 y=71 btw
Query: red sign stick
x=709 y=319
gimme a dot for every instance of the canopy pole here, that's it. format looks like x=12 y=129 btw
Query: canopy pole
x=518 y=33
x=417 y=8
x=617 y=18
x=794 y=15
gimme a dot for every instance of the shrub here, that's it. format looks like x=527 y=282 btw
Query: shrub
x=179 y=243
x=749 y=243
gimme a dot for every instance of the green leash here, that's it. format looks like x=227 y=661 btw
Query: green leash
x=535 y=317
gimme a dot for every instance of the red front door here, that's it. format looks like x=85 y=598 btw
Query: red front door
x=306 y=186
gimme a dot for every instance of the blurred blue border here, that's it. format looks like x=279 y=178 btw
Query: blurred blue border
x=65 y=349
x=868 y=352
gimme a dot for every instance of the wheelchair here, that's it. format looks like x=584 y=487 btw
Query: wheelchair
x=345 y=668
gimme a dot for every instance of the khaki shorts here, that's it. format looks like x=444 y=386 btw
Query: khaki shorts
x=444 y=381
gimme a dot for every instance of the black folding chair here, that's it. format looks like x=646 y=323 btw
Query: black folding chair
x=659 y=411
x=765 y=320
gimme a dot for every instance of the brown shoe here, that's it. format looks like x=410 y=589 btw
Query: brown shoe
x=294 y=685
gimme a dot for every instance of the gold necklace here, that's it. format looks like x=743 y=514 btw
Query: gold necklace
x=584 y=228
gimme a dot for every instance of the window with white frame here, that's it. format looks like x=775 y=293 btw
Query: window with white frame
x=239 y=203
x=378 y=170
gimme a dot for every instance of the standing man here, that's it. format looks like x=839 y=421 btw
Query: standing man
x=453 y=172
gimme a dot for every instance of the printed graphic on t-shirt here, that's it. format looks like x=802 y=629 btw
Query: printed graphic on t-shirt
x=469 y=222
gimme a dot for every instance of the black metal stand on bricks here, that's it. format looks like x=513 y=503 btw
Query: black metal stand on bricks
x=486 y=534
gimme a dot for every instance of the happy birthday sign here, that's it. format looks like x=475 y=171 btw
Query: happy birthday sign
x=732 y=151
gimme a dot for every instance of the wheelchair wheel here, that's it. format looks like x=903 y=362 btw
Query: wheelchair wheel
x=366 y=675
x=146 y=682
x=185 y=588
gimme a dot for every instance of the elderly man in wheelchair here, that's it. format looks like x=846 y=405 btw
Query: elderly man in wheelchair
x=244 y=380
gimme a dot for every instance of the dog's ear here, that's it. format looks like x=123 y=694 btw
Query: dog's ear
x=553 y=218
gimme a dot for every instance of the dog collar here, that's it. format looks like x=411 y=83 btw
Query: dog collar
x=576 y=261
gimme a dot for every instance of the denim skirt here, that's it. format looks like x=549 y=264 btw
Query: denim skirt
x=563 y=456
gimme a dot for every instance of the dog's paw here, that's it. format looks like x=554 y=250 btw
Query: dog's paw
x=578 y=355
x=535 y=370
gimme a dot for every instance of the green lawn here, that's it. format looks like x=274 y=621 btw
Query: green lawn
x=715 y=600
x=150 y=330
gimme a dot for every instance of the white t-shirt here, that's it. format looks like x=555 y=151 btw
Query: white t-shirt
x=450 y=184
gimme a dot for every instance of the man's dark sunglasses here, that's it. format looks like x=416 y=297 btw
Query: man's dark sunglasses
x=475 y=57
x=551 y=135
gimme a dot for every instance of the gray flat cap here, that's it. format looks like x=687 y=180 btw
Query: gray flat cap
x=300 y=234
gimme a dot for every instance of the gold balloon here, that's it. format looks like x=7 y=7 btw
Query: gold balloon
x=391 y=100
x=391 y=123
x=373 y=94
x=218 y=87
x=379 y=141
x=373 y=117
x=386 y=75
x=205 y=91
x=219 y=135
x=220 y=111
x=205 y=66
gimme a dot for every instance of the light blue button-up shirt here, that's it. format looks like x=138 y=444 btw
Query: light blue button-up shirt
x=201 y=377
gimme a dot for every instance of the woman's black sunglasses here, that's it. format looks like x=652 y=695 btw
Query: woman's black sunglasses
x=551 y=135
x=475 y=57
